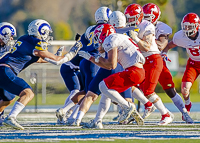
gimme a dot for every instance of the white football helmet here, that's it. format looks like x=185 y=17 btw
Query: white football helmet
x=7 y=30
x=117 y=19
x=40 y=29
x=102 y=14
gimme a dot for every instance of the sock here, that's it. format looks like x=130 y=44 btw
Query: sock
x=178 y=102
x=148 y=104
x=103 y=108
x=68 y=105
x=75 y=112
x=72 y=93
x=80 y=115
x=155 y=99
x=113 y=95
x=17 y=108
x=187 y=102
x=139 y=96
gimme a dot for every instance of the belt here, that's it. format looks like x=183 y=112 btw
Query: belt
x=5 y=65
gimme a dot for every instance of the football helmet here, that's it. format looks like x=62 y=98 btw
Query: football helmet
x=117 y=19
x=7 y=30
x=135 y=12
x=151 y=12
x=40 y=29
x=190 y=24
x=102 y=31
x=102 y=14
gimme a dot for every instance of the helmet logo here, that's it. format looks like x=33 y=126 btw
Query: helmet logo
x=196 y=19
x=154 y=9
x=138 y=10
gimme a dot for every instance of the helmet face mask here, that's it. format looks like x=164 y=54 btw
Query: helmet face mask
x=7 y=32
x=40 y=29
x=190 y=24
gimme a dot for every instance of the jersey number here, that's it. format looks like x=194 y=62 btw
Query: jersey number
x=194 y=52
x=15 y=47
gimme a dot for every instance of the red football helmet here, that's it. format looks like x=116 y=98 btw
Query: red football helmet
x=102 y=31
x=152 y=12
x=134 y=11
x=190 y=23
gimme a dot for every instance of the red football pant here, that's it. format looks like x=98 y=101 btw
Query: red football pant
x=165 y=78
x=153 y=68
x=192 y=71
x=121 y=81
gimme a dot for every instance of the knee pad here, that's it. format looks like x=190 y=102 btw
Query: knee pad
x=153 y=98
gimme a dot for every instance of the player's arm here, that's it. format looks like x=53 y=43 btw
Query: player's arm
x=144 y=44
x=110 y=62
x=170 y=45
x=40 y=60
x=162 y=41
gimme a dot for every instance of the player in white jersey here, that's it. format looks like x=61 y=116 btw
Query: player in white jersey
x=162 y=32
x=153 y=66
x=120 y=49
x=188 y=38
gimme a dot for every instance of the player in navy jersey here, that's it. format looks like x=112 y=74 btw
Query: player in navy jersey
x=87 y=68
x=27 y=50
x=7 y=32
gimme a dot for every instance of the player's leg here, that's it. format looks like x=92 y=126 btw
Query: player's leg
x=190 y=75
x=149 y=107
x=93 y=92
x=17 y=86
x=167 y=84
x=153 y=67
x=113 y=85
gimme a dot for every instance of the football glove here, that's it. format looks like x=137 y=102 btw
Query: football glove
x=164 y=56
x=85 y=55
x=134 y=35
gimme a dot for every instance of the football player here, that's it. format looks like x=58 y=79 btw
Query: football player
x=87 y=68
x=153 y=66
x=188 y=38
x=120 y=49
x=152 y=14
x=28 y=49
x=7 y=33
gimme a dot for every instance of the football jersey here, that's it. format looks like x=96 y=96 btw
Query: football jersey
x=147 y=28
x=128 y=52
x=88 y=41
x=22 y=53
x=124 y=30
x=162 y=29
x=192 y=46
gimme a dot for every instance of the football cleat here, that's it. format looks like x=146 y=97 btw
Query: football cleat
x=70 y=122
x=92 y=124
x=12 y=122
x=148 y=111
x=138 y=119
x=166 y=119
x=77 y=122
x=129 y=120
x=61 y=115
x=186 y=117
x=127 y=112
x=119 y=114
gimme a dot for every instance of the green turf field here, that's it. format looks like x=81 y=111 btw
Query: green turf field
x=59 y=99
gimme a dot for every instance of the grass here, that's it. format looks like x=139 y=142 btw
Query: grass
x=59 y=99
